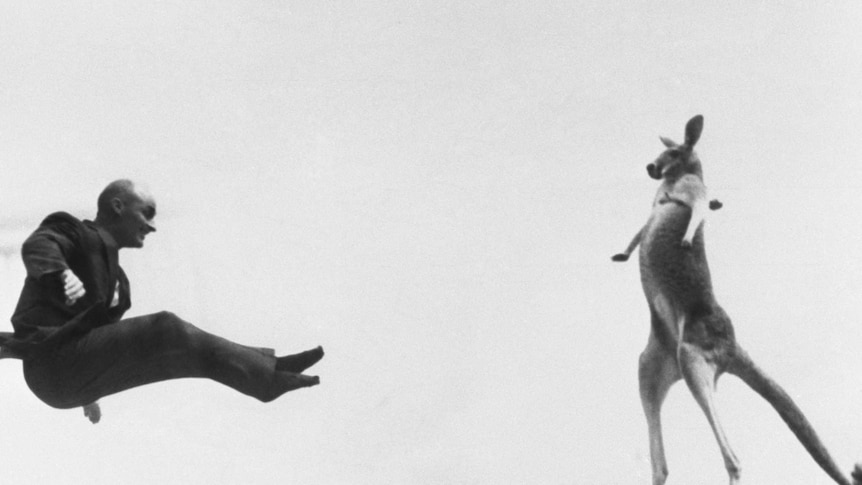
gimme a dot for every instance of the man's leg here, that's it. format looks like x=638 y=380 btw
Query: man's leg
x=153 y=348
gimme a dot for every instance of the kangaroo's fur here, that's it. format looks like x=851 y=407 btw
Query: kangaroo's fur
x=691 y=336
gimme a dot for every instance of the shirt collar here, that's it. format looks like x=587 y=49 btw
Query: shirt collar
x=107 y=238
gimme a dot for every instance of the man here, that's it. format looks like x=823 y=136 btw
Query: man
x=69 y=329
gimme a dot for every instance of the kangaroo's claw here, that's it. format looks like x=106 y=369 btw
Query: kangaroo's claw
x=715 y=204
x=621 y=257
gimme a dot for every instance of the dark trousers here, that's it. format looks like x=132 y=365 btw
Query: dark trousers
x=147 y=349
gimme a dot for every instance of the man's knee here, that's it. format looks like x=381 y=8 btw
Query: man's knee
x=166 y=317
x=173 y=328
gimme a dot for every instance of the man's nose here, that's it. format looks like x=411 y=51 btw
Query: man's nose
x=151 y=227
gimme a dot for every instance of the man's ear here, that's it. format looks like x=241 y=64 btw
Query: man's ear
x=117 y=205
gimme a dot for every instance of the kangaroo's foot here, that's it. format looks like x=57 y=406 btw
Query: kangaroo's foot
x=715 y=204
x=857 y=474
x=621 y=257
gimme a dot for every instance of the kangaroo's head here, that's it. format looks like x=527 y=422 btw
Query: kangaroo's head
x=679 y=160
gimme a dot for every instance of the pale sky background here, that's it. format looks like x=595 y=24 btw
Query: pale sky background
x=432 y=191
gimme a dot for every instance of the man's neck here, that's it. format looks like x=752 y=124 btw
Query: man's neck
x=106 y=231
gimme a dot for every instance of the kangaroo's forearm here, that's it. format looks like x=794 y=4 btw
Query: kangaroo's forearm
x=634 y=242
x=698 y=214
x=624 y=256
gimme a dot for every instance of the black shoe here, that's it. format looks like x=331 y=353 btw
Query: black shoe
x=299 y=362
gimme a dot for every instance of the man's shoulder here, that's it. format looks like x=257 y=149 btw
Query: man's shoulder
x=66 y=224
x=61 y=218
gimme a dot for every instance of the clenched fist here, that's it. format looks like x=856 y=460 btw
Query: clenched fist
x=73 y=287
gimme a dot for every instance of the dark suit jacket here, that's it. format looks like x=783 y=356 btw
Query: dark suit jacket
x=42 y=316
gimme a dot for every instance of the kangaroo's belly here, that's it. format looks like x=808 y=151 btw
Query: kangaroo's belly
x=678 y=274
x=678 y=287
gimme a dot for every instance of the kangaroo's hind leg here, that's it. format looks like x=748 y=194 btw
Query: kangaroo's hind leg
x=700 y=374
x=744 y=367
x=658 y=371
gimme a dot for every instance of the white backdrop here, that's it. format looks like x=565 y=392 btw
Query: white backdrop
x=432 y=191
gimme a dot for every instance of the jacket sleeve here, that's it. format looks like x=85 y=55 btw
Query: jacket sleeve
x=48 y=249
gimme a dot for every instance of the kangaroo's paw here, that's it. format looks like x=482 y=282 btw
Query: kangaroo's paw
x=715 y=204
x=621 y=257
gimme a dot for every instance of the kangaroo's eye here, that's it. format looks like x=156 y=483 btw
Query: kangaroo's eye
x=674 y=154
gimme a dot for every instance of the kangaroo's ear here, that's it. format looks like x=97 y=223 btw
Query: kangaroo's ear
x=692 y=130
x=667 y=142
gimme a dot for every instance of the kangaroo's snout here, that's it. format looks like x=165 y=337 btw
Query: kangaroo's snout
x=653 y=171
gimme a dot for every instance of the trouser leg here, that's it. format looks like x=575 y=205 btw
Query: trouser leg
x=148 y=349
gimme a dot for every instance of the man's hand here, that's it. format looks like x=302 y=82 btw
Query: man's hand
x=93 y=412
x=73 y=287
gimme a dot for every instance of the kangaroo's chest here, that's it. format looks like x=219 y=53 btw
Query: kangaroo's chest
x=680 y=274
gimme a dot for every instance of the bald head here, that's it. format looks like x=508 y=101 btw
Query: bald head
x=122 y=189
x=127 y=212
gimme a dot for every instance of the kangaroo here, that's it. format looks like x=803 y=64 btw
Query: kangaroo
x=669 y=192
x=691 y=336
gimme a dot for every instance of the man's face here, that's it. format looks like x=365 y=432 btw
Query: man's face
x=135 y=220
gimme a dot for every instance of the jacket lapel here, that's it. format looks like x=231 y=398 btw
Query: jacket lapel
x=111 y=254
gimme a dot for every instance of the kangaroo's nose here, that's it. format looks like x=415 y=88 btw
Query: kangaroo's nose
x=653 y=172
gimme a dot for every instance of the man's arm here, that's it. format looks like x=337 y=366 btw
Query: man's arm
x=46 y=251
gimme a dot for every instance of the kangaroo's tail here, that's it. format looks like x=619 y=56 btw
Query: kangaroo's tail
x=744 y=368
